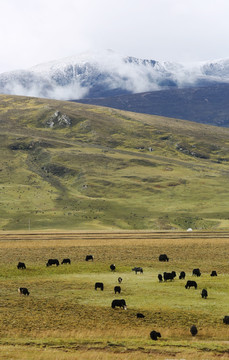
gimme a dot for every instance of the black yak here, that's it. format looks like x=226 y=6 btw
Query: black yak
x=204 y=294
x=53 y=262
x=21 y=265
x=23 y=291
x=154 y=335
x=182 y=275
x=117 y=289
x=66 y=261
x=191 y=283
x=160 y=277
x=163 y=257
x=168 y=276
x=112 y=267
x=137 y=269
x=99 y=285
x=196 y=272
x=119 y=303
x=140 y=316
x=193 y=330
x=213 y=273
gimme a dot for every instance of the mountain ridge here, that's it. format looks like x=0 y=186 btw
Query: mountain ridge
x=207 y=104
x=108 y=73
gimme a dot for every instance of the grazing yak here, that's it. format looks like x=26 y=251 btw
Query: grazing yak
x=204 y=294
x=89 y=257
x=137 y=269
x=66 y=261
x=154 y=335
x=169 y=276
x=23 y=291
x=119 y=303
x=99 y=285
x=160 y=277
x=226 y=319
x=190 y=283
x=193 y=330
x=119 y=280
x=112 y=267
x=163 y=257
x=182 y=275
x=117 y=289
x=196 y=272
x=21 y=265
x=140 y=316
x=53 y=262
x=213 y=273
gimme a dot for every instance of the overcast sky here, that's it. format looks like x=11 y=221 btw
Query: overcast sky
x=36 y=31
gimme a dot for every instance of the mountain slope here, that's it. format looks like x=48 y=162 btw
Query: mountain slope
x=107 y=74
x=72 y=166
x=206 y=105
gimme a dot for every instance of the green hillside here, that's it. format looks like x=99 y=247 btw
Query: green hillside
x=71 y=166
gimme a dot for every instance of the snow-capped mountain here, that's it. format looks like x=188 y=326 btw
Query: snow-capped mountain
x=106 y=74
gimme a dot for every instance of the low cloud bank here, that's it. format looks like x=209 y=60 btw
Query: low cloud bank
x=42 y=88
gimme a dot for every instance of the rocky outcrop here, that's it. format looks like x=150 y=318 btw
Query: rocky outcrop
x=58 y=120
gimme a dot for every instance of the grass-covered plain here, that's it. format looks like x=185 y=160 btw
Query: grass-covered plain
x=65 y=318
x=98 y=173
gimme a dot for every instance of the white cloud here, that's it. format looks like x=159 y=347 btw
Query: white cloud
x=35 y=31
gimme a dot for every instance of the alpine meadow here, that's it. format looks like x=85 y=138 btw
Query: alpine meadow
x=124 y=187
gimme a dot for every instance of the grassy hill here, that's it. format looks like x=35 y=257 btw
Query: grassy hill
x=65 y=165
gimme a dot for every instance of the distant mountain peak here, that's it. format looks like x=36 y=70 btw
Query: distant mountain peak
x=106 y=73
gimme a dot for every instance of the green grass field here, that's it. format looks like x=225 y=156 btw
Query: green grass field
x=65 y=318
x=98 y=173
